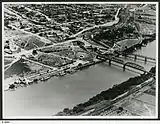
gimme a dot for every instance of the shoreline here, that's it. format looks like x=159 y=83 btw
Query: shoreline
x=110 y=95
x=23 y=81
x=58 y=73
x=65 y=71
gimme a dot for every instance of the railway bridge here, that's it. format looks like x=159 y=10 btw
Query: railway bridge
x=133 y=65
x=123 y=62
x=140 y=57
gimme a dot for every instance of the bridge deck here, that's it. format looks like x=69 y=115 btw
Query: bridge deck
x=124 y=63
x=142 y=56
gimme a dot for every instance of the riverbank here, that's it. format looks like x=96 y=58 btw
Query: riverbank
x=62 y=72
x=27 y=81
x=53 y=95
x=109 y=94
x=66 y=70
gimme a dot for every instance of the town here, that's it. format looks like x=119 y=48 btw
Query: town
x=53 y=40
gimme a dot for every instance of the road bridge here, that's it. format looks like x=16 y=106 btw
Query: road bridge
x=124 y=63
x=140 y=57
x=133 y=65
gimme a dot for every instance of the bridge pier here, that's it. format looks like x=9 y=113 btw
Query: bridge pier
x=124 y=67
x=109 y=62
x=145 y=73
x=125 y=55
x=135 y=57
x=145 y=59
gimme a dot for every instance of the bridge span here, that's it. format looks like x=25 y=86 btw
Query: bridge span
x=123 y=62
x=140 y=57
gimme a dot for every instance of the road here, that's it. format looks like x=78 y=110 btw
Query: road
x=138 y=8
x=39 y=63
x=9 y=65
x=41 y=38
x=18 y=55
x=102 y=25
x=25 y=52
x=67 y=41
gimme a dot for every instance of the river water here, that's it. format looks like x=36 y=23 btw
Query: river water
x=52 y=96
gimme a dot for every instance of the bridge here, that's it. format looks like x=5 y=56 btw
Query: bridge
x=124 y=63
x=140 y=57
x=133 y=65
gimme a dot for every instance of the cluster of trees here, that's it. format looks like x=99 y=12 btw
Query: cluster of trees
x=148 y=39
x=114 y=33
x=20 y=9
x=153 y=70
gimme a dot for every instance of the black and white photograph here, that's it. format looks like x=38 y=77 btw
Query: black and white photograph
x=80 y=59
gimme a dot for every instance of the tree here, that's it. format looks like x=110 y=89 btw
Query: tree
x=95 y=49
x=120 y=108
x=35 y=80
x=22 y=44
x=80 y=64
x=6 y=46
x=40 y=34
x=6 y=23
x=7 y=41
x=139 y=17
x=66 y=110
x=12 y=86
x=34 y=52
x=36 y=30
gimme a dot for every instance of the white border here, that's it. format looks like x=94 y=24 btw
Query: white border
x=157 y=44
x=85 y=117
x=84 y=122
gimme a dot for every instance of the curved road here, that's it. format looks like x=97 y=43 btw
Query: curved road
x=102 y=25
x=18 y=55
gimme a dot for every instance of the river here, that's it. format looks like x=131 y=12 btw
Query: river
x=52 y=96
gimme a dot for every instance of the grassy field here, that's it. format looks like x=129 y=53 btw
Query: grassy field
x=52 y=59
x=29 y=42
x=24 y=67
x=16 y=69
x=7 y=61
x=140 y=108
x=147 y=28
x=8 y=34
x=128 y=43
